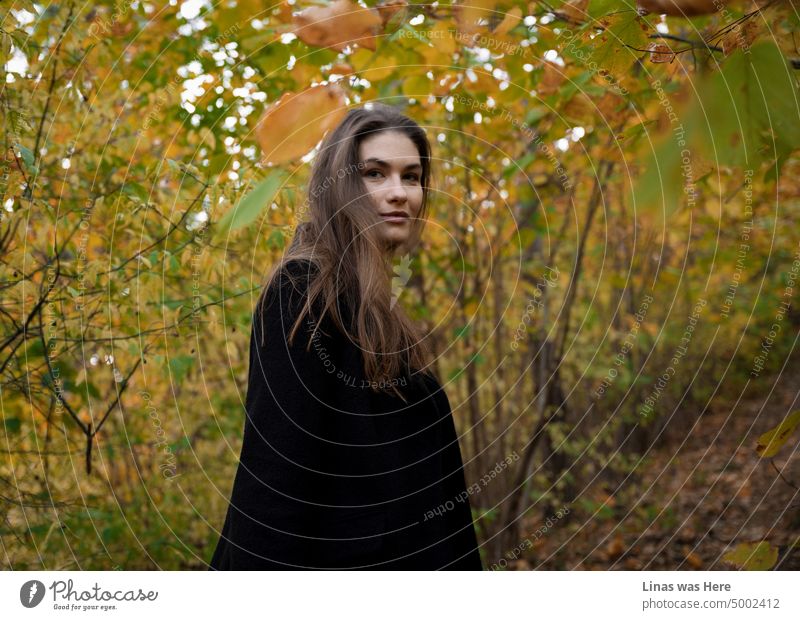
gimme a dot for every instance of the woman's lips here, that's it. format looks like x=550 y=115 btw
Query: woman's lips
x=395 y=218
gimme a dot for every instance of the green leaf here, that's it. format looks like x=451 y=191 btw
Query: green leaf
x=35 y=349
x=92 y=390
x=179 y=366
x=454 y=374
x=599 y=8
x=218 y=163
x=39 y=529
x=614 y=50
x=773 y=440
x=740 y=116
x=746 y=112
x=461 y=332
x=184 y=168
x=27 y=155
x=521 y=164
x=181 y=444
x=634 y=133
x=536 y=114
x=276 y=240
x=12 y=425
x=19 y=121
x=136 y=191
x=661 y=184
x=111 y=533
x=251 y=206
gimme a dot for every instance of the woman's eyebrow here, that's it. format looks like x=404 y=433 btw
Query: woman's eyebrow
x=380 y=162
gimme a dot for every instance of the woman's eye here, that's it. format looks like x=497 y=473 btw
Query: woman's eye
x=375 y=173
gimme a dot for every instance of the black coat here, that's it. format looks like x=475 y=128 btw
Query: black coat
x=334 y=475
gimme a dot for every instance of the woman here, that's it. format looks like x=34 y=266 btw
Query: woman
x=350 y=457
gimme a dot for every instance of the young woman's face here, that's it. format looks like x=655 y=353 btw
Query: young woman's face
x=392 y=174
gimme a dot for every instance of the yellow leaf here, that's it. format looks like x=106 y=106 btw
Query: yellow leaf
x=417 y=86
x=442 y=36
x=753 y=556
x=372 y=66
x=484 y=83
x=772 y=441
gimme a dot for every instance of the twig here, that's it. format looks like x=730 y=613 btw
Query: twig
x=778 y=471
x=693 y=44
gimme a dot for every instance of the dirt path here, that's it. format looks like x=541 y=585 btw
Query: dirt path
x=694 y=499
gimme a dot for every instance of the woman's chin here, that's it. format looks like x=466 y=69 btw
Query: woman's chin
x=393 y=244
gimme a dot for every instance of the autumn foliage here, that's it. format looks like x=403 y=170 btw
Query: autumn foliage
x=590 y=156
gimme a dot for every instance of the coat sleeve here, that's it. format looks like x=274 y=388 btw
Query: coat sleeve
x=274 y=507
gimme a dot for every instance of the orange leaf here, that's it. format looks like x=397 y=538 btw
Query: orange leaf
x=615 y=547
x=341 y=68
x=338 y=25
x=284 y=13
x=739 y=37
x=661 y=53
x=475 y=16
x=389 y=8
x=298 y=121
x=552 y=77
x=575 y=10
x=692 y=559
x=511 y=19
x=442 y=85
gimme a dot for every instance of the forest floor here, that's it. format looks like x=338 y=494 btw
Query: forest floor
x=694 y=498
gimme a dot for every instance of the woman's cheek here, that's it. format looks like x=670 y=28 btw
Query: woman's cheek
x=418 y=199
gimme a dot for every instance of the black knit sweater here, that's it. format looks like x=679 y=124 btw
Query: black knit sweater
x=333 y=475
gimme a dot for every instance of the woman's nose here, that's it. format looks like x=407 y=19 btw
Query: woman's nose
x=396 y=192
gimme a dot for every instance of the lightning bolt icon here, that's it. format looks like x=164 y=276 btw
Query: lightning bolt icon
x=32 y=592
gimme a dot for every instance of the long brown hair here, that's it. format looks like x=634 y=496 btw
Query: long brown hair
x=340 y=238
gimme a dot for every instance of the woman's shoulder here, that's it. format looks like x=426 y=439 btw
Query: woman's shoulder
x=300 y=266
x=286 y=297
x=291 y=278
x=296 y=271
